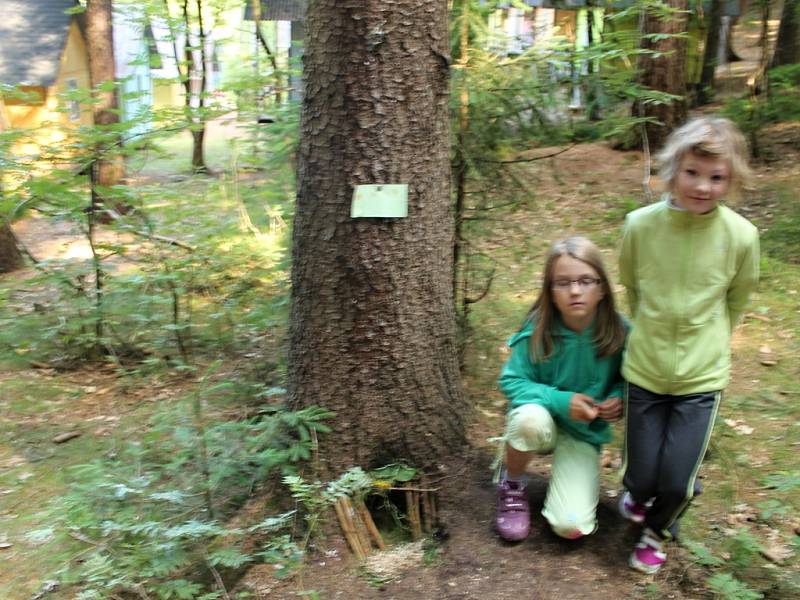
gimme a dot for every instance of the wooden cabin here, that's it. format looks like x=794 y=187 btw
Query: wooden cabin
x=42 y=55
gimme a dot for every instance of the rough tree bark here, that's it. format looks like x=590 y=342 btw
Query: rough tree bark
x=373 y=332
x=10 y=256
x=787 y=46
x=109 y=168
x=665 y=72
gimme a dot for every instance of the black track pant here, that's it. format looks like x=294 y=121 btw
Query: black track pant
x=666 y=438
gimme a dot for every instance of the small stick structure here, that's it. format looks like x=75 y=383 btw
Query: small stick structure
x=360 y=530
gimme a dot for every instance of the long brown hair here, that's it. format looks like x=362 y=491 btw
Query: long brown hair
x=609 y=331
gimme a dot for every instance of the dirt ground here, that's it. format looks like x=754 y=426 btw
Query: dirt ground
x=472 y=562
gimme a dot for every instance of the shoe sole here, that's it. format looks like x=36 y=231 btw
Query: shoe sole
x=637 y=565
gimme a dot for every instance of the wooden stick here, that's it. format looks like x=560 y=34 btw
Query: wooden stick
x=412 y=511
x=358 y=529
x=358 y=524
x=370 y=524
x=427 y=512
x=347 y=528
x=434 y=512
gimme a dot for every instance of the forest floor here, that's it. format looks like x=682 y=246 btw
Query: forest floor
x=587 y=189
x=580 y=191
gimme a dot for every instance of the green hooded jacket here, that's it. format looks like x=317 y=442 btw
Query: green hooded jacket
x=571 y=367
x=688 y=278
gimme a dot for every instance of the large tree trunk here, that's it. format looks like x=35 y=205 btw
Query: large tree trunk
x=665 y=72
x=10 y=256
x=787 y=46
x=373 y=332
x=706 y=92
x=109 y=168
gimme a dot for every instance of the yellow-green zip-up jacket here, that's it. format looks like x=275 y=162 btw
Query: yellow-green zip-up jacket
x=688 y=279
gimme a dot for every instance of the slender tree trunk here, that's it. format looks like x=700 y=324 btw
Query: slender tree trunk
x=373 y=333
x=255 y=5
x=460 y=167
x=196 y=72
x=10 y=256
x=109 y=167
x=730 y=53
x=664 y=71
x=787 y=46
x=706 y=92
x=592 y=89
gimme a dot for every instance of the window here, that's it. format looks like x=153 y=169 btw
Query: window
x=74 y=107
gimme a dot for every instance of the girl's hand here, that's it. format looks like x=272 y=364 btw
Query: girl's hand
x=582 y=408
x=610 y=410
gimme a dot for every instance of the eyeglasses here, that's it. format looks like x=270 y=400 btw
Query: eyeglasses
x=584 y=283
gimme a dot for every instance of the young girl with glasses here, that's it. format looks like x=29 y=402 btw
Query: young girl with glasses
x=563 y=384
x=689 y=266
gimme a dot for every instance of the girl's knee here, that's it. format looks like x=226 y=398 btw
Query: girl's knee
x=568 y=534
x=570 y=527
x=531 y=428
x=573 y=532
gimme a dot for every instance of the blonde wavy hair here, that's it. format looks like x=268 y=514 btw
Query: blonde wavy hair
x=706 y=136
x=609 y=330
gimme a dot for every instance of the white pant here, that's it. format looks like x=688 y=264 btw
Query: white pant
x=572 y=494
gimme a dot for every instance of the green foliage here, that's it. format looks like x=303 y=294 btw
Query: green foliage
x=202 y=279
x=734 y=577
x=781 y=102
x=507 y=105
x=727 y=587
x=772 y=508
x=702 y=555
x=783 y=481
x=153 y=509
x=780 y=238
x=397 y=472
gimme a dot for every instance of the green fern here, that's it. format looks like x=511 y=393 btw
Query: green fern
x=727 y=587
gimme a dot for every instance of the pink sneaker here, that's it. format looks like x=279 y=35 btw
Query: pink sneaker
x=631 y=510
x=648 y=555
x=513 y=513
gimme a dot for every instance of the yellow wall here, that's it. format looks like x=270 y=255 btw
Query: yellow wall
x=74 y=64
x=167 y=93
x=37 y=114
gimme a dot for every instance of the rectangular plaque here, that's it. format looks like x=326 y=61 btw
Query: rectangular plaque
x=380 y=200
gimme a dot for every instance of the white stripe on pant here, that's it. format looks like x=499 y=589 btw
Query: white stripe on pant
x=666 y=438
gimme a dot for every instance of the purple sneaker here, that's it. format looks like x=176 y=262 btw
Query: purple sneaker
x=648 y=555
x=631 y=510
x=513 y=514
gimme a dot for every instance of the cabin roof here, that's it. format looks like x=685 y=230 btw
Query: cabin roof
x=33 y=34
